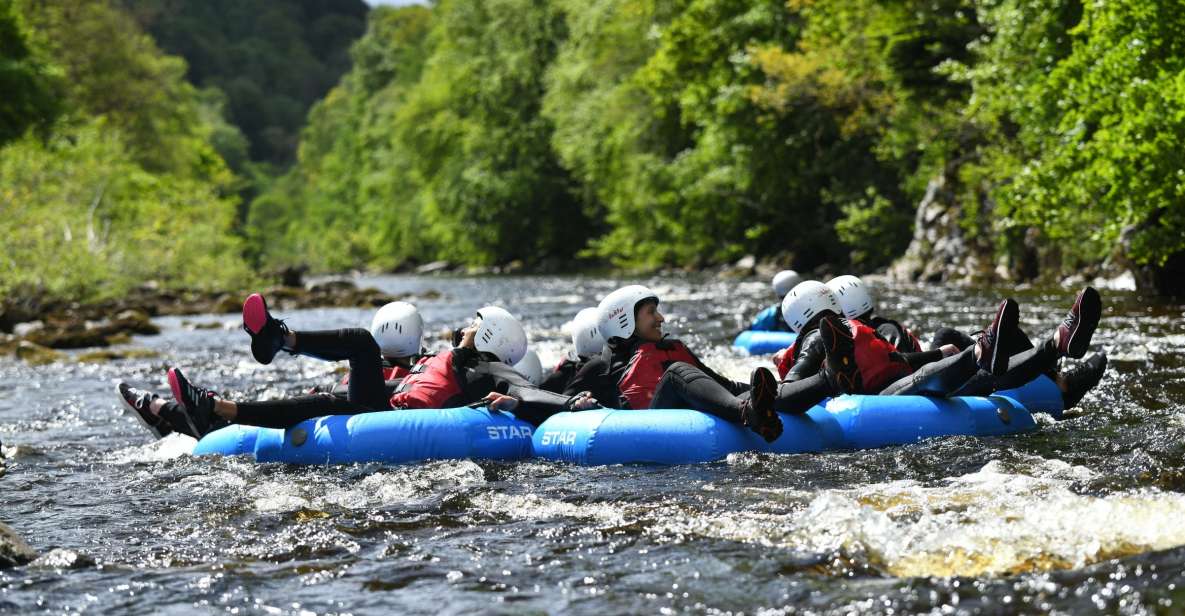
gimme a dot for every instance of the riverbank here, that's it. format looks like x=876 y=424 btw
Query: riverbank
x=36 y=329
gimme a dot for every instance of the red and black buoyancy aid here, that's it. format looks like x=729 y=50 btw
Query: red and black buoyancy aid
x=646 y=367
x=431 y=384
x=879 y=362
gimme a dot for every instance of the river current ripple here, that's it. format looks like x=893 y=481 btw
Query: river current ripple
x=1084 y=515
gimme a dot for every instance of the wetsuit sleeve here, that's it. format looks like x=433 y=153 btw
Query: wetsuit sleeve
x=921 y=358
x=810 y=358
x=535 y=404
x=594 y=376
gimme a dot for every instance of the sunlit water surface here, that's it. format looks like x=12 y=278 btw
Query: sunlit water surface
x=1085 y=514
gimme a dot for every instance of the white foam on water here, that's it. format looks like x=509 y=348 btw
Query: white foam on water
x=535 y=507
x=170 y=447
x=384 y=488
x=991 y=522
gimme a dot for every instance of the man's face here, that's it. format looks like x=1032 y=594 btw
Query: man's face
x=468 y=333
x=649 y=322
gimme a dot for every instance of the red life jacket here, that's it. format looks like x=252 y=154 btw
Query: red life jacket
x=785 y=358
x=646 y=366
x=879 y=362
x=431 y=384
x=389 y=374
x=878 y=359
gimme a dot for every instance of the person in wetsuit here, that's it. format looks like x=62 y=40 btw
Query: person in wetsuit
x=857 y=304
x=770 y=319
x=647 y=370
x=977 y=369
x=587 y=344
x=478 y=369
x=397 y=327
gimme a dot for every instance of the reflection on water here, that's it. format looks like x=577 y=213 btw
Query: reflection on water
x=1082 y=515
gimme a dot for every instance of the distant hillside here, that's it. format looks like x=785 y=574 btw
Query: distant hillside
x=272 y=58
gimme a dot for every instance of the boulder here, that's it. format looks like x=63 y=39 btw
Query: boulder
x=14 y=552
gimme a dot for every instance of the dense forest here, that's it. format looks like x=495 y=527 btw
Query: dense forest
x=636 y=133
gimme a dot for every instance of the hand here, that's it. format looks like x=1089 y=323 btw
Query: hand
x=779 y=355
x=583 y=401
x=948 y=350
x=500 y=402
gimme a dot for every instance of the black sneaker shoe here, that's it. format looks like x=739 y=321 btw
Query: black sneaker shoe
x=757 y=412
x=267 y=333
x=197 y=403
x=1073 y=335
x=840 y=368
x=995 y=341
x=139 y=402
x=1082 y=378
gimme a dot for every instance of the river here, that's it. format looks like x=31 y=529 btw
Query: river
x=1083 y=515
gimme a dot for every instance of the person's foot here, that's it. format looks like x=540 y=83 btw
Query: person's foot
x=1081 y=378
x=139 y=402
x=267 y=333
x=840 y=368
x=198 y=403
x=1073 y=335
x=994 y=342
x=757 y=412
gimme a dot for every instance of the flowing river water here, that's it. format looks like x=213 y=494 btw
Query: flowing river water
x=1086 y=514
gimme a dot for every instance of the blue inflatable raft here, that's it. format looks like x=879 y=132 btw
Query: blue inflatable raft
x=607 y=436
x=849 y=422
x=763 y=343
x=386 y=436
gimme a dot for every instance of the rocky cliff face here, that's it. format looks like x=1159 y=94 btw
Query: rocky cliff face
x=941 y=250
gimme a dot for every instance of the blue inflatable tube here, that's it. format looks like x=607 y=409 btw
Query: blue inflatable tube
x=386 y=436
x=763 y=343
x=678 y=436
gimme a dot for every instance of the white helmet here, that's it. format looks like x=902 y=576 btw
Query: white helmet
x=852 y=295
x=398 y=328
x=784 y=281
x=806 y=300
x=501 y=334
x=586 y=336
x=615 y=314
x=530 y=367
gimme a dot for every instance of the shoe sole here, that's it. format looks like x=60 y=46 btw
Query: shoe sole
x=138 y=415
x=254 y=313
x=847 y=372
x=175 y=385
x=1007 y=320
x=1090 y=310
x=175 y=377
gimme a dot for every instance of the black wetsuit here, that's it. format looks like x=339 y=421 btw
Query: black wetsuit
x=698 y=387
x=563 y=374
x=894 y=332
x=477 y=375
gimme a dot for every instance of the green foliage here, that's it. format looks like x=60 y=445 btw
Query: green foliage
x=25 y=80
x=128 y=185
x=272 y=58
x=348 y=201
x=1099 y=143
x=83 y=219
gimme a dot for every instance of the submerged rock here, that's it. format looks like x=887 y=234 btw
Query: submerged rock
x=35 y=354
x=62 y=558
x=14 y=552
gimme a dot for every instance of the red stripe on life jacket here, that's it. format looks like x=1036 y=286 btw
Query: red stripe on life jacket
x=431 y=384
x=646 y=367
